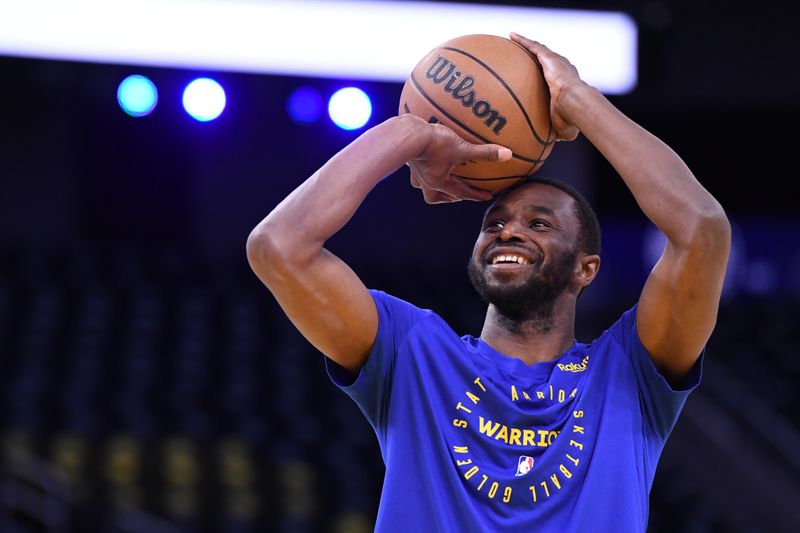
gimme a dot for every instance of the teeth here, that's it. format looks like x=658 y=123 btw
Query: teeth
x=510 y=259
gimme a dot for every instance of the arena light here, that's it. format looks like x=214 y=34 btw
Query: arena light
x=350 y=108
x=325 y=38
x=204 y=99
x=304 y=105
x=137 y=95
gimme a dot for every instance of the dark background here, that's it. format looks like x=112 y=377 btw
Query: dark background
x=150 y=383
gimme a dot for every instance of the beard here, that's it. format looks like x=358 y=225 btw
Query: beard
x=533 y=299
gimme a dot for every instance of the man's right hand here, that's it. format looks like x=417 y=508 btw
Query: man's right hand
x=442 y=152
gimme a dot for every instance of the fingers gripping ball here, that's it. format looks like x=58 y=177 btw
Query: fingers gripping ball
x=488 y=89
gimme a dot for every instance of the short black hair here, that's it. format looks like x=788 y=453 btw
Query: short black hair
x=589 y=240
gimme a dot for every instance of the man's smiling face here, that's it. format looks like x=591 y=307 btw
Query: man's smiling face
x=526 y=253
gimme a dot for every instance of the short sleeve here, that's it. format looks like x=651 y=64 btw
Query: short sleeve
x=661 y=403
x=371 y=387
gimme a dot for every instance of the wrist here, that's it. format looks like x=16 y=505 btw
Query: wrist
x=573 y=102
x=414 y=135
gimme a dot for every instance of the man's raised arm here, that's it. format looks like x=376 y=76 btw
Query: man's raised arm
x=320 y=294
x=678 y=306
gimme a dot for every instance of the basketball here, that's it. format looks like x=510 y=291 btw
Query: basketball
x=488 y=89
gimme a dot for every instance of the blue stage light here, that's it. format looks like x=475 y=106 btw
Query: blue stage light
x=204 y=99
x=304 y=105
x=350 y=108
x=137 y=96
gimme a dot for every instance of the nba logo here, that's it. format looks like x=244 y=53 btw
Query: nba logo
x=524 y=465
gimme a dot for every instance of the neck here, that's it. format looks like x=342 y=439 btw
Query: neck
x=532 y=339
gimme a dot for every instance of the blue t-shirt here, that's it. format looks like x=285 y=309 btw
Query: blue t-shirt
x=474 y=440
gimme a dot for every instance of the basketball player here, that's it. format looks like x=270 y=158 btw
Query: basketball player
x=522 y=428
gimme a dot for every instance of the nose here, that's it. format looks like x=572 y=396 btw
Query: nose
x=511 y=231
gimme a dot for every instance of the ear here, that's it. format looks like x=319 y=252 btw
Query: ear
x=586 y=268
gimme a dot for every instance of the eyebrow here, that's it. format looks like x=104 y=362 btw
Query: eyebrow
x=540 y=209
x=535 y=208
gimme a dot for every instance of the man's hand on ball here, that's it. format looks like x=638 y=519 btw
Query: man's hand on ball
x=443 y=152
x=561 y=77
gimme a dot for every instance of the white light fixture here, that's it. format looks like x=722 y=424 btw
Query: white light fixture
x=350 y=108
x=204 y=99
x=354 y=39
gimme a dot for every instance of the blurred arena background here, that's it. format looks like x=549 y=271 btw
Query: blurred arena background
x=149 y=383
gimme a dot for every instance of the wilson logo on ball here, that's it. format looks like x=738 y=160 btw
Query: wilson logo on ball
x=444 y=71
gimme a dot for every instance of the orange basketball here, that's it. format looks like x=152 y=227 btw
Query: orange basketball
x=488 y=89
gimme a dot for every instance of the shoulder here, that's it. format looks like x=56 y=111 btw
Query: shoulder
x=400 y=315
x=397 y=307
x=621 y=343
x=617 y=345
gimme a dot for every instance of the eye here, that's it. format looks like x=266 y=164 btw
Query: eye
x=493 y=224
x=539 y=223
